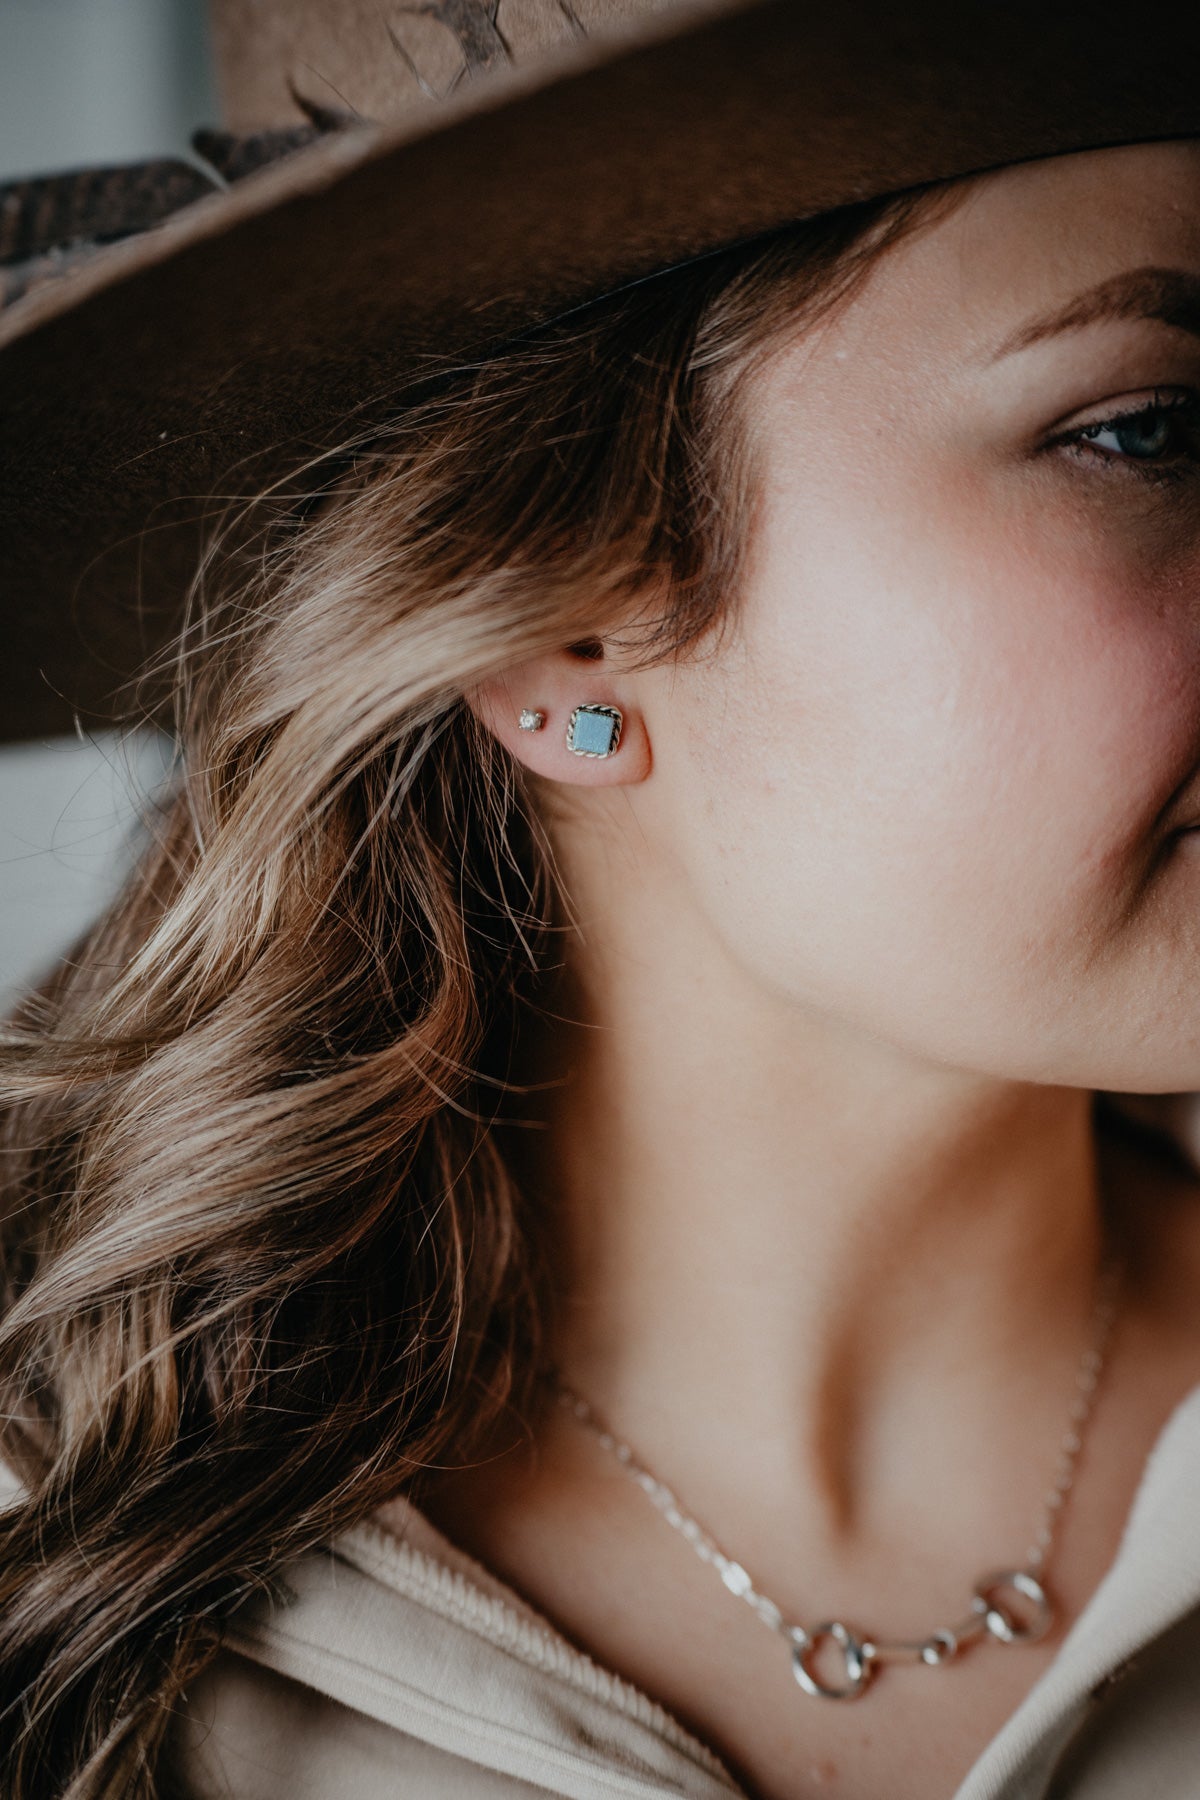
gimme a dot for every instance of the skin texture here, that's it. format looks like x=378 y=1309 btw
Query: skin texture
x=868 y=903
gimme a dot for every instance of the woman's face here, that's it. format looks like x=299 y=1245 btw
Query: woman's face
x=936 y=781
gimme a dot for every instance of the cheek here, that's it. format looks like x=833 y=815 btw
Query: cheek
x=940 y=753
x=1078 y=714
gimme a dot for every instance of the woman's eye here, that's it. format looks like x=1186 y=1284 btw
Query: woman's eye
x=1159 y=440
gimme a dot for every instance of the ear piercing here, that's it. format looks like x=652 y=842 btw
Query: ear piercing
x=592 y=730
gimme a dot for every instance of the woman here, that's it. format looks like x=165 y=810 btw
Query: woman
x=673 y=836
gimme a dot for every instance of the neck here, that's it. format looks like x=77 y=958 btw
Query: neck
x=842 y=1265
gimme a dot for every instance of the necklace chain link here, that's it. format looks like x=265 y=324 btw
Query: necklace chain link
x=988 y=1615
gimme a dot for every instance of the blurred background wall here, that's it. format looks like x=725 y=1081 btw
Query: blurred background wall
x=83 y=81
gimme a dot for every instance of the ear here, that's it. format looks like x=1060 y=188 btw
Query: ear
x=575 y=747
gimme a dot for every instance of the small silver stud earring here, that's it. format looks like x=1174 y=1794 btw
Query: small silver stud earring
x=530 y=720
x=594 y=730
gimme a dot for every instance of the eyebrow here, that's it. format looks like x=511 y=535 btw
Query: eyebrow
x=1172 y=295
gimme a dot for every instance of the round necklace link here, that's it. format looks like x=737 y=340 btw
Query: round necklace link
x=988 y=1615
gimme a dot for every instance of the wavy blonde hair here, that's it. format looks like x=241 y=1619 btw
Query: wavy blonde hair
x=263 y=1257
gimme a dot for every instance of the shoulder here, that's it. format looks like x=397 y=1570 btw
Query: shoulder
x=380 y=1667
x=245 y=1731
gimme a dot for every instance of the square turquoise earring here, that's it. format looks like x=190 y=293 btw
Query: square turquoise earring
x=594 y=730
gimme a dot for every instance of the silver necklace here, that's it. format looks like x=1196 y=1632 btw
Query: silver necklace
x=988 y=1614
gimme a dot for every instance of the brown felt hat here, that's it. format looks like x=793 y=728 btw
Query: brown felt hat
x=401 y=184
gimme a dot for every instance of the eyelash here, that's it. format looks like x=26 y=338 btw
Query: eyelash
x=1183 y=407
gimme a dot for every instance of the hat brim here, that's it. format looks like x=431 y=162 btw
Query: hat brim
x=138 y=390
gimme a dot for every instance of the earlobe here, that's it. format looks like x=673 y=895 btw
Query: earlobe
x=560 y=734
